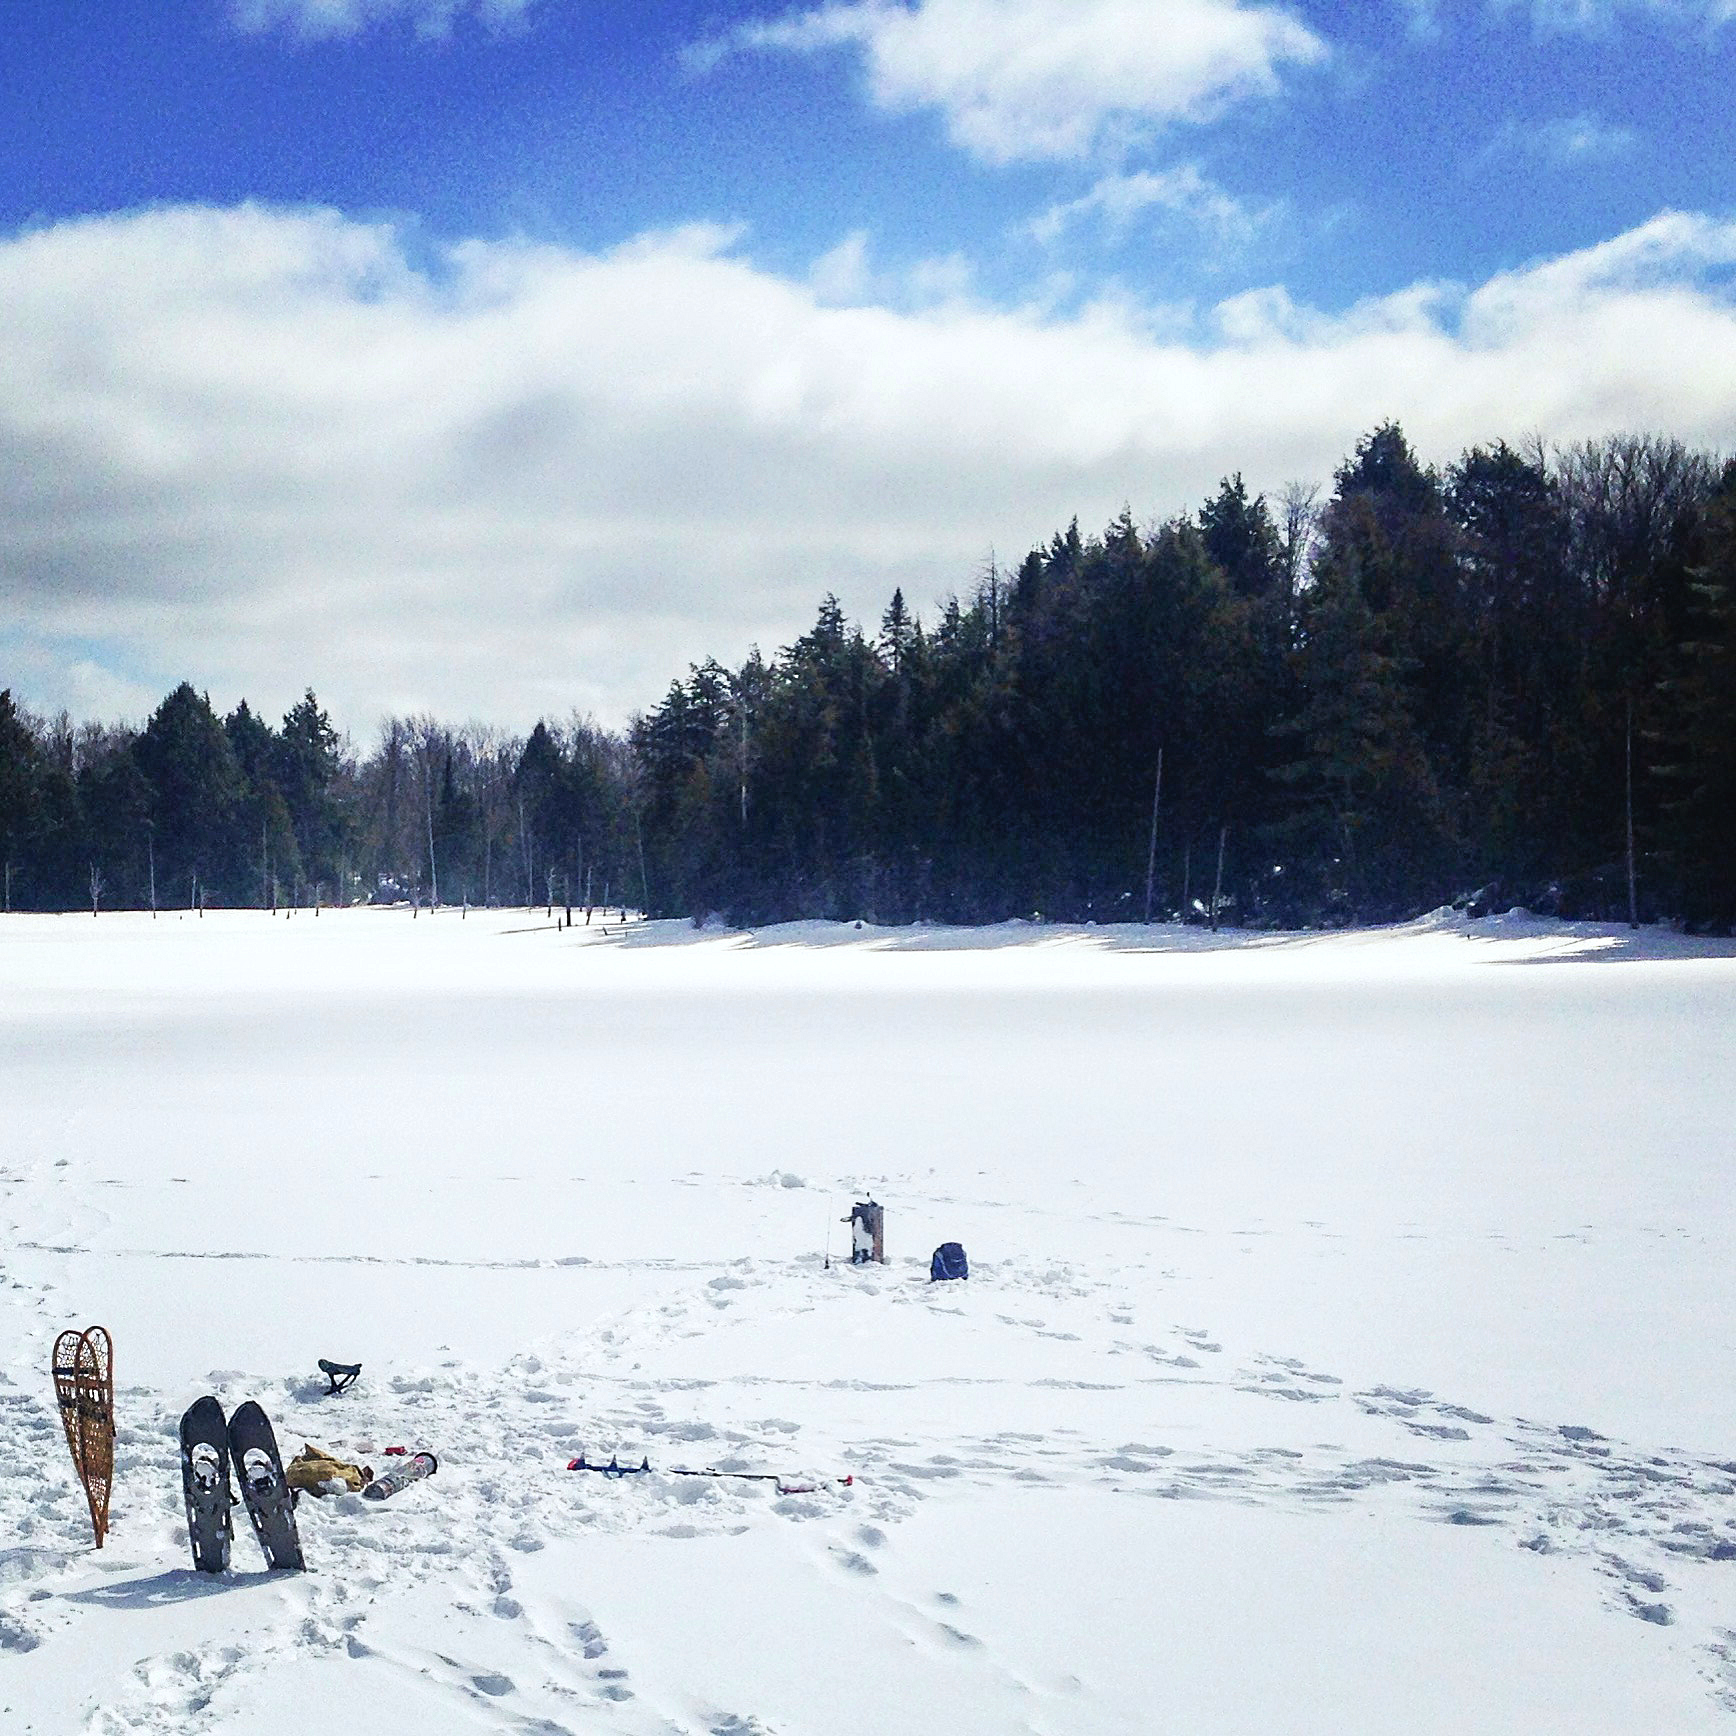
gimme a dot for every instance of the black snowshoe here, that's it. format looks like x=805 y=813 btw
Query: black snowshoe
x=270 y=1500
x=205 y=1483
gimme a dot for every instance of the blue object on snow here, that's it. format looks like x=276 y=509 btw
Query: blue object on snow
x=948 y=1262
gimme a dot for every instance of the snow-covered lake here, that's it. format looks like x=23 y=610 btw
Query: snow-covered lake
x=1347 y=1347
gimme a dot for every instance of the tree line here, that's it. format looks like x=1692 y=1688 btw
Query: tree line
x=196 y=809
x=1513 y=681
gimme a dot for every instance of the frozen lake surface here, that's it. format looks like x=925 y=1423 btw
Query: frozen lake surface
x=1347 y=1345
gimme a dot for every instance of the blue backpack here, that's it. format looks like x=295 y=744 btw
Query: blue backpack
x=948 y=1262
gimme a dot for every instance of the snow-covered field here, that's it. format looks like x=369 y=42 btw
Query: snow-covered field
x=1348 y=1344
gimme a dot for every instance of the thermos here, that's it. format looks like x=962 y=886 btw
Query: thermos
x=402 y=1475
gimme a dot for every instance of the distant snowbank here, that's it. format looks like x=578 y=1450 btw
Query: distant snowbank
x=182 y=958
x=1576 y=939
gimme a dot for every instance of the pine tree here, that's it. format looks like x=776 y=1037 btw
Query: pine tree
x=896 y=631
x=1366 y=826
x=21 y=817
x=1701 y=818
x=198 y=799
x=1241 y=539
x=309 y=765
x=115 y=802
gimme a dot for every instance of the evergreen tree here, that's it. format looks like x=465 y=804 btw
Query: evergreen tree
x=1525 y=632
x=21 y=815
x=897 y=629
x=1365 y=837
x=252 y=742
x=198 y=800
x=115 y=803
x=1636 y=510
x=1701 y=823
x=1387 y=522
x=457 y=836
x=1241 y=539
x=309 y=766
x=541 y=786
x=282 y=872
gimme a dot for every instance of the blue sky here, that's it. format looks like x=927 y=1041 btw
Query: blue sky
x=334 y=321
x=1449 y=143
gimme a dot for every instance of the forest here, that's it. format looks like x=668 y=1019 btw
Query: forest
x=1511 y=683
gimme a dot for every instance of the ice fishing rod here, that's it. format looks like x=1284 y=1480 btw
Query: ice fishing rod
x=786 y=1485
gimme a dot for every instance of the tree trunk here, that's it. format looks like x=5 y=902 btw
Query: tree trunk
x=529 y=877
x=644 y=884
x=1632 y=872
x=1151 y=849
x=433 y=870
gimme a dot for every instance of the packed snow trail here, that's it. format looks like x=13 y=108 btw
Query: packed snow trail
x=1321 y=1352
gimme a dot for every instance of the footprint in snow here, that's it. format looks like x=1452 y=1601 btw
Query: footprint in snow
x=15 y=1636
x=590 y=1639
x=612 y=1685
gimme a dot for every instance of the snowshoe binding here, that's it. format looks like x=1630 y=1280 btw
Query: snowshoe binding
x=270 y=1500
x=205 y=1483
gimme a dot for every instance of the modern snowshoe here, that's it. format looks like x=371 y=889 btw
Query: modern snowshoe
x=270 y=1500
x=205 y=1483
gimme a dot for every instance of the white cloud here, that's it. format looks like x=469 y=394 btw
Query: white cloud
x=323 y=20
x=1025 y=79
x=1422 y=20
x=846 y=277
x=1118 y=201
x=257 y=448
x=1570 y=142
x=1594 y=16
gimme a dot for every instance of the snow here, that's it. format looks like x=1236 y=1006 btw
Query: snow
x=1346 y=1345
